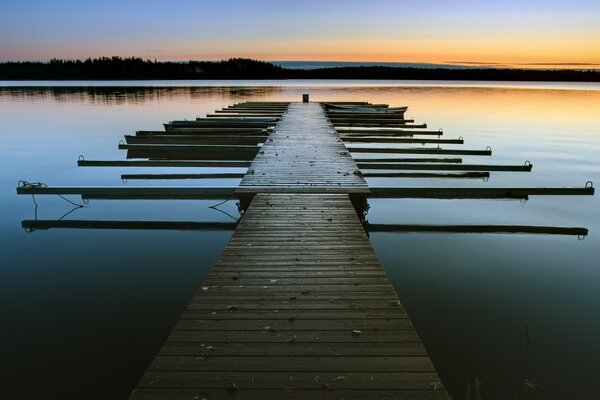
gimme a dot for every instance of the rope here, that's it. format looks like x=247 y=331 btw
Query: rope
x=214 y=207
x=69 y=201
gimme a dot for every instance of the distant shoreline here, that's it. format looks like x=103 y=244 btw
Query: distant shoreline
x=117 y=69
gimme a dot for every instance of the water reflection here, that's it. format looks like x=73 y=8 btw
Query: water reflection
x=493 y=310
x=118 y=95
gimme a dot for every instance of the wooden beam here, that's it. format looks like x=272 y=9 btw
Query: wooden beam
x=146 y=225
x=303 y=189
x=465 y=193
x=191 y=152
x=382 y=121
x=387 y=132
x=388 y=150
x=377 y=125
x=118 y=192
x=176 y=125
x=464 y=175
x=164 y=163
x=548 y=230
x=196 y=139
x=229 y=119
x=253 y=112
x=199 y=147
x=445 y=167
x=409 y=160
x=377 y=139
x=209 y=131
x=370 y=115
x=182 y=176
x=246 y=115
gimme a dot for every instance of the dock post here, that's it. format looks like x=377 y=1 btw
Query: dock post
x=305 y=98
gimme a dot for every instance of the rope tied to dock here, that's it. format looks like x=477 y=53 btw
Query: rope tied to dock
x=36 y=185
x=31 y=185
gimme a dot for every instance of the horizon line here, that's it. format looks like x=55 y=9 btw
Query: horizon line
x=370 y=63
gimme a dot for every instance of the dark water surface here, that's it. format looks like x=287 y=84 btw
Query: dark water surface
x=512 y=316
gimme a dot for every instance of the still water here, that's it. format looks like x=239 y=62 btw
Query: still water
x=509 y=316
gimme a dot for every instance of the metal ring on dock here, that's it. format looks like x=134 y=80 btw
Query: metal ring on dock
x=85 y=200
x=527 y=162
x=580 y=237
x=461 y=138
x=589 y=184
x=121 y=142
x=488 y=148
x=80 y=158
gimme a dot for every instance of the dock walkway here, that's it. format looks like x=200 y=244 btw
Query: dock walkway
x=298 y=305
x=304 y=151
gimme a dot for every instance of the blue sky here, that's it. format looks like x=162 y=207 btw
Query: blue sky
x=411 y=31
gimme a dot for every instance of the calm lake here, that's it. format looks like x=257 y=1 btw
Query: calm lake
x=514 y=316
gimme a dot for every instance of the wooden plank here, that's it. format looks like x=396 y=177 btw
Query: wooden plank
x=288 y=301
x=318 y=392
x=304 y=151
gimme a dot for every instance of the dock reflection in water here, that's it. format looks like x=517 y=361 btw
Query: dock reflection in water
x=507 y=307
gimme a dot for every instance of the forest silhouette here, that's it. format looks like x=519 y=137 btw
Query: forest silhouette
x=117 y=68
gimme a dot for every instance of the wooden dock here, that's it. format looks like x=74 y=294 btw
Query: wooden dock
x=298 y=305
x=304 y=151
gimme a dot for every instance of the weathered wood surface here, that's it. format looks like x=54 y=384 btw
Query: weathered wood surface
x=297 y=306
x=304 y=150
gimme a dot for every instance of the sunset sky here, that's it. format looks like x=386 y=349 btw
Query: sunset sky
x=523 y=32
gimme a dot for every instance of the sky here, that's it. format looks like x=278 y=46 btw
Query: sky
x=521 y=33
